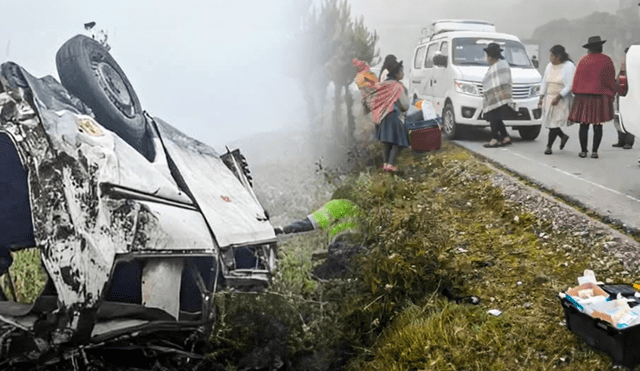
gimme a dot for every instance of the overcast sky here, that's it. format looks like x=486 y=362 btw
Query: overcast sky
x=213 y=68
x=399 y=23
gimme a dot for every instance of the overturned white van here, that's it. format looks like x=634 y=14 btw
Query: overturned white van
x=137 y=224
x=628 y=120
x=448 y=67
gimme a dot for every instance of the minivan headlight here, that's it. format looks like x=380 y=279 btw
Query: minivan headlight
x=535 y=91
x=466 y=87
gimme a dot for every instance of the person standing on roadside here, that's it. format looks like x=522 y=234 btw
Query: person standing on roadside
x=386 y=100
x=497 y=95
x=594 y=87
x=391 y=131
x=625 y=140
x=556 y=97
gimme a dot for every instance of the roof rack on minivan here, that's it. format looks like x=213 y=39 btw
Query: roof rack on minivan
x=449 y=25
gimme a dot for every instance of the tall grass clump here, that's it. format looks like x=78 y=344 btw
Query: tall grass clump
x=28 y=276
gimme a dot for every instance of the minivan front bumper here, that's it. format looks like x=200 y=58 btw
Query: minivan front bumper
x=528 y=112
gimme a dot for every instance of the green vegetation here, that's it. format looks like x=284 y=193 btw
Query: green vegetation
x=439 y=223
x=28 y=276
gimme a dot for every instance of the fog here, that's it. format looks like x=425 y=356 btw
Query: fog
x=214 y=69
x=399 y=23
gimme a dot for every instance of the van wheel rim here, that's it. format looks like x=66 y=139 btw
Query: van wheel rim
x=448 y=122
x=115 y=87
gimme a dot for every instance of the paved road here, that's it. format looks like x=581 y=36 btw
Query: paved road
x=609 y=185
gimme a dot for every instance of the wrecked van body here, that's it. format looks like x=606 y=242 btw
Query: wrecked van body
x=137 y=224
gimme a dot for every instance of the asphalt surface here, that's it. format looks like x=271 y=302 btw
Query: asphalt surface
x=609 y=185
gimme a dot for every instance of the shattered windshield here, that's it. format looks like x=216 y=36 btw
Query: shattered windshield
x=468 y=51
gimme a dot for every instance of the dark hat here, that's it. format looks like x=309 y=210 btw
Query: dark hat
x=493 y=50
x=593 y=41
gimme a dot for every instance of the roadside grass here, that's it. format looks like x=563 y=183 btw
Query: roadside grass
x=28 y=276
x=484 y=247
x=439 y=223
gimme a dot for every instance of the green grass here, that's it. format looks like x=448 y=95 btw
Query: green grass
x=28 y=275
x=485 y=247
x=439 y=222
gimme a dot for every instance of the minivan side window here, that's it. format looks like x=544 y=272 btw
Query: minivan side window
x=431 y=51
x=419 y=57
x=444 y=48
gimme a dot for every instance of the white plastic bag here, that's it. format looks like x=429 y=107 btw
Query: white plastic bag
x=428 y=112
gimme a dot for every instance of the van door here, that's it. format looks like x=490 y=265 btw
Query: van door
x=439 y=77
x=418 y=79
x=428 y=71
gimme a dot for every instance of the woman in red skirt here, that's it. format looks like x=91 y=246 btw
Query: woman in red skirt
x=594 y=86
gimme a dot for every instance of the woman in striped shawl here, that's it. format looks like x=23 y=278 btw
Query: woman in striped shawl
x=497 y=95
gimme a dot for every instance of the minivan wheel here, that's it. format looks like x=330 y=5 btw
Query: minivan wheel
x=89 y=72
x=529 y=132
x=450 y=129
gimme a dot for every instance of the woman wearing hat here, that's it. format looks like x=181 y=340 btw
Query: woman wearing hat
x=497 y=95
x=555 y=95
x=594 y=86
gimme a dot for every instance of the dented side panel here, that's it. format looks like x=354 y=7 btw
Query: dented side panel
x=229 y=208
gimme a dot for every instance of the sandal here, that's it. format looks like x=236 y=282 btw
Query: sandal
x=548 y=151
x=594 y=155
x=582 y=154
x=391 y=168
x=507 y=143
x=492 y=145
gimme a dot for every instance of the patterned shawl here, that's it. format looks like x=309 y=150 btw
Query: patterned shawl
x=379 y=97
x=497 y=86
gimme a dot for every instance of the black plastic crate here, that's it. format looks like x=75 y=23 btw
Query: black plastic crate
x=622 y=345
x=614 y=290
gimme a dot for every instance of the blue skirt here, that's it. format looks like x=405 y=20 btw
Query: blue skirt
x=392 y=130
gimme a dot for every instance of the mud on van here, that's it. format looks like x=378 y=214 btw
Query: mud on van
x=448 y=67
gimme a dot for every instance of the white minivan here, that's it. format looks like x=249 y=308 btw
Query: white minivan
x=448 y=67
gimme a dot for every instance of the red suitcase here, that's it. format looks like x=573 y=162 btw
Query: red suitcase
x=425 y=139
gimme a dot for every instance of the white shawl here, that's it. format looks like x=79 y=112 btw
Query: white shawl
x=568 y=69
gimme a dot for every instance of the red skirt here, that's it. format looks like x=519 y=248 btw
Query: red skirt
x=591 y=109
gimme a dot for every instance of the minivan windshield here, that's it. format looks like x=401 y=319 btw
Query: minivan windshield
x=468 y=51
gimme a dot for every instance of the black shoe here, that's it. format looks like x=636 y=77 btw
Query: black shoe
x=617 y=145
x=563 y=141
x=582 y=154
x=548 y=151
x=627 y=146
x=594 y=155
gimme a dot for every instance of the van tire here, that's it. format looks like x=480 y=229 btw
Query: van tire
x=89 y=72
x=529 y=132
x=450 y=130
